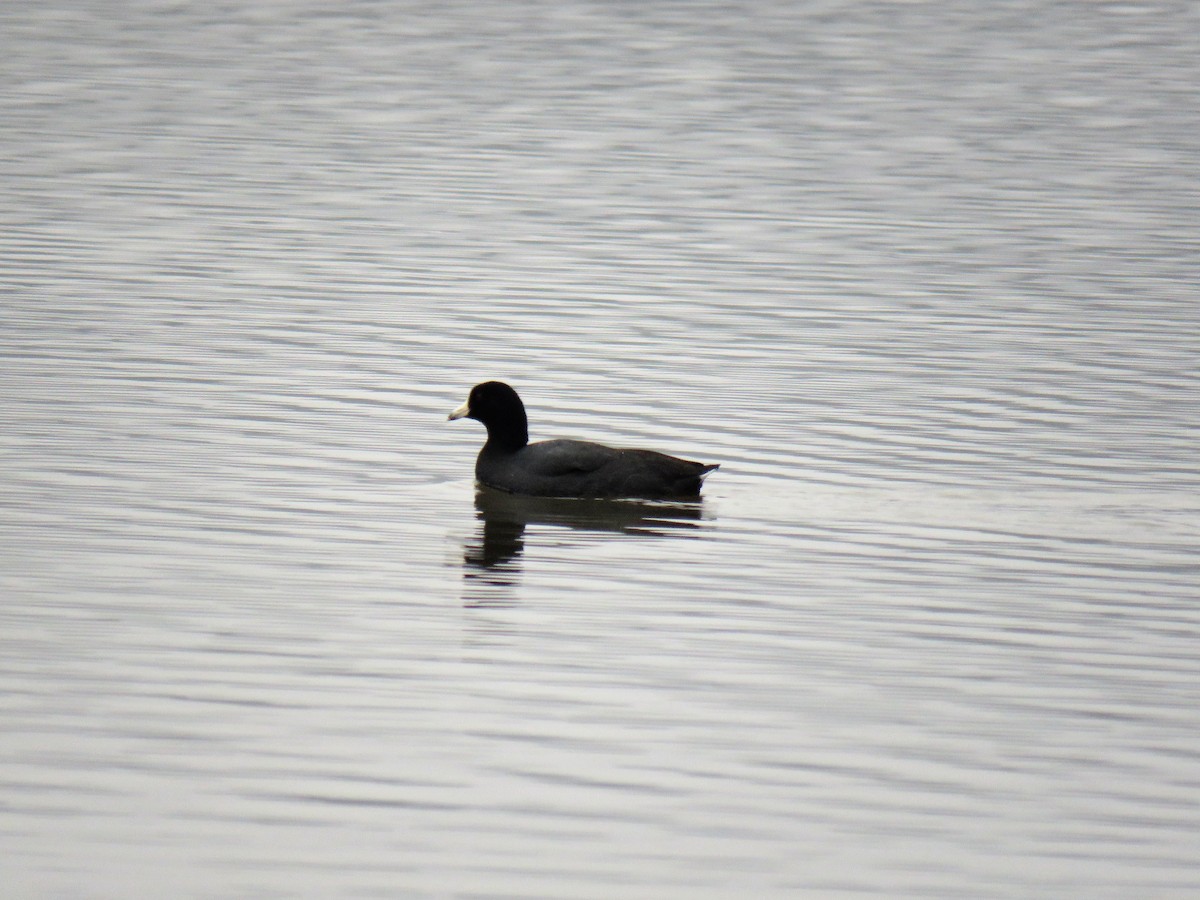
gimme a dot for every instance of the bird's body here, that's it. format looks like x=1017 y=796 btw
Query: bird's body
x=569 y=468
x=564 y=467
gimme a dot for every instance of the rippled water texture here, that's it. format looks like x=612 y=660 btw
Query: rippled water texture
x=922 y=278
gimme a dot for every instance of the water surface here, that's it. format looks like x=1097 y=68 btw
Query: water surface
x=920 y=277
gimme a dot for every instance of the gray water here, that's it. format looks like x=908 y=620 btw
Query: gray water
x=922 y=278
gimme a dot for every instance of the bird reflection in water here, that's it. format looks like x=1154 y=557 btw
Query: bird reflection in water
x=492 y=558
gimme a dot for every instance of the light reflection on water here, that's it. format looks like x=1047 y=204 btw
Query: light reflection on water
x=923 y=282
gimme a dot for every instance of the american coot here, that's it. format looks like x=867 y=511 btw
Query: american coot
x=566 y=468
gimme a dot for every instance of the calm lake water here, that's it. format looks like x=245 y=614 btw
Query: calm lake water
x=922 y=278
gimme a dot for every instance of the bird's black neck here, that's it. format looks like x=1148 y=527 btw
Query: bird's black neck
x=507 y=437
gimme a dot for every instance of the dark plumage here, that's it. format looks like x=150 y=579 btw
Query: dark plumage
x=567 y=468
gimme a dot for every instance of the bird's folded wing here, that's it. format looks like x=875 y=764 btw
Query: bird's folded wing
x=568 y=457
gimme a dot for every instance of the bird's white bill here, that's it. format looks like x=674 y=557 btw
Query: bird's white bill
x=460 y=412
